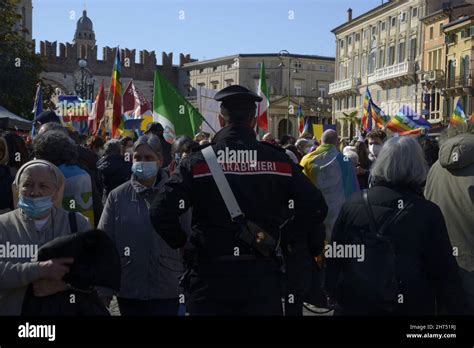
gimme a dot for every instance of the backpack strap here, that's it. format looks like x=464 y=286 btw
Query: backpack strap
x=387 y=223
x=72 y=221
x=368 y=209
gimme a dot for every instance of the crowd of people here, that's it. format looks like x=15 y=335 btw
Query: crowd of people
x=415 y=193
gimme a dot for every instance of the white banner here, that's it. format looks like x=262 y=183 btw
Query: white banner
x=209 y=108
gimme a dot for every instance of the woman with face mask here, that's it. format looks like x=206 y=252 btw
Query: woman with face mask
x=150 y=268
x=38 y=219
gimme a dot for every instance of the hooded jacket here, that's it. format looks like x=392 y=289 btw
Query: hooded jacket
x=450 y=184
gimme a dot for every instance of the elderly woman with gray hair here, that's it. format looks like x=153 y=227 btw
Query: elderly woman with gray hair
x=38 y=219
x=150 y=268
x=390 y=253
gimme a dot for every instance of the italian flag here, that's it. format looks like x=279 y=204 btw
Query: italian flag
x=173 y=111
x=262 y=117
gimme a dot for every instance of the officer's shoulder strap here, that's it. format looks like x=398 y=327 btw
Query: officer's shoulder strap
x=200 y=147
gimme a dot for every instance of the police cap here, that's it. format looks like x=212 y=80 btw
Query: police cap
x=238 y=97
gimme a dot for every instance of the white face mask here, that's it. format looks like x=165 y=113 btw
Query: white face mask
x=374 y=149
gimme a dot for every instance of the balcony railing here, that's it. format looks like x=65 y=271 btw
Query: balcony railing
x=392 y=71
x=463 y=81
x=343 y=85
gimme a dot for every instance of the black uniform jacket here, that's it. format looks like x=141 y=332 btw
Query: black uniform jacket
x=268 y=192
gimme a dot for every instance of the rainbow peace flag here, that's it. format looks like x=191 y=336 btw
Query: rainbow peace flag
x=458 y=117
x=300 y=115
x=116 y=93
x=407 y=122
x=372 y=113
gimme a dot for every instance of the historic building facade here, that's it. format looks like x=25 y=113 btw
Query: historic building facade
x=381 y=50
x=459 y=68
x=67 y=69
x=292 y=79
x=435 y=80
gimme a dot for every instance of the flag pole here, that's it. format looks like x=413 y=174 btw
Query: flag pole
x=202 y=117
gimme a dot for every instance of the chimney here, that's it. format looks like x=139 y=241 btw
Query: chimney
x=349 y=14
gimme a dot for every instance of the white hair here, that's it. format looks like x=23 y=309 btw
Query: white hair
x=401 y=160
x=351 y=153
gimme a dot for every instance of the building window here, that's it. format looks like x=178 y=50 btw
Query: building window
x=431 y=32
x=381 y=58
x=403 y=17
x=440 y=29
x=401 y=52
x=374 y=30
x=322 y=92
x=391 y=55
x=364 y=65
x=349 y=40
x=382 y=26
x=414 y=12
x=341 y=43
x=389 y=94
x=357 y=37
x=398 y=92
x=393 y=21
x=372 y=61
x=214 y=68
x=228 y=82
x=413 y=49
x=366 y=33
x=379 y=96
x=229 y=66
x=201 y=71
x=356 y=66
x=323 y=68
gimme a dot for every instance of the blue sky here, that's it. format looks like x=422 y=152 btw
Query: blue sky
x=210 y=28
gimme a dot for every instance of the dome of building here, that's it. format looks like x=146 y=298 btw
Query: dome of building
x=84 y=23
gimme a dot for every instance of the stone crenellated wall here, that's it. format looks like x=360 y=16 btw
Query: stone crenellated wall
x=69 y=54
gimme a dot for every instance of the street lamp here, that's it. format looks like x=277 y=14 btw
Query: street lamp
x=84 y=81
x=281 y=54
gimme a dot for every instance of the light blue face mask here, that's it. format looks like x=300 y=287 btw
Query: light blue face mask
x=35 y=207
x=145 y=170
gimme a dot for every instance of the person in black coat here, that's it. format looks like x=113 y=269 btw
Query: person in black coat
x=113 y=168
x=157 y=129
x=425 y=269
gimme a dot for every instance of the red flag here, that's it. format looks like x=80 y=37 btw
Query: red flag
x=98 y=110
x=134 y=102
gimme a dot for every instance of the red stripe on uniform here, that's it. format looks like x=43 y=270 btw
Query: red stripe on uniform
x=259 y=167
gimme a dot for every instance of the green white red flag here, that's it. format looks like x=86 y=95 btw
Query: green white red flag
x=262 y=107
